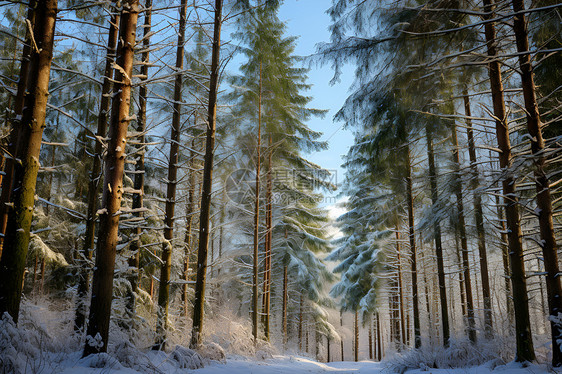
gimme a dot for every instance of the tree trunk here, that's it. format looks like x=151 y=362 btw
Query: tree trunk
x=341 y=340
x=301 y=302
x=255 y=279
x=12 y=263
x=464 y=242
x=413 y=261
x=138 y=184
x=95 y=176
x=461 y=279
x=15 y=139
x=437 y=238
x=165 y=269
x=379 y=339
x=370 y=340
x=426 y=292
x=189 y=212
x=199 y=301
x=525 y=350
x=400 y=290
x=544 y=203
x=505 y=260
x=479 y=219
x=268 y=240
x=102 y=283
x=356 y=337
x=284 y=307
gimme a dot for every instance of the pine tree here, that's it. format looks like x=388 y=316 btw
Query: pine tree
x=204 y=218
x=16 y=242
x=95 y=174
x=102 y=283
x=165 y=271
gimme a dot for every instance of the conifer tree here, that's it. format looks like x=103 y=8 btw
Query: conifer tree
x=16 y=242
x=102 y=283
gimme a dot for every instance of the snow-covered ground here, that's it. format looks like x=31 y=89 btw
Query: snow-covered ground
x=275 y=365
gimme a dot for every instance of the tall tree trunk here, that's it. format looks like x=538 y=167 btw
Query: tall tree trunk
x=479 y=219
x=379 y=338
x=165 y=269
x=199 y=301
x=464 y=241
x=525 y=350
x=400 y=289
x=544 y=203
x=356 y=337
x=306 y=333
x=341 y=340
x=505 y=260
x=284 y=307
x=437 y=238
x=268 y=240
x=138 y=184
x=95 y=176
x=15 y=141
x=12 y=263
x=255 y=278
x=370 y=340
x=413 y=261
x=221 y=228
x=461 y=279
x=427 y=298
x=102 y=283
x=301 y=305
x=189 y=212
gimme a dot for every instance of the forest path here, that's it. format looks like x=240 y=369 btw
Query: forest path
x=303 y=365
x=292 y=365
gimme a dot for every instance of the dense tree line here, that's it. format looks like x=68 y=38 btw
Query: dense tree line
x=455 y=147
x=140 y=175
x=124 y=167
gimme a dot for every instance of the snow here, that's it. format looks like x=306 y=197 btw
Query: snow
x=160 y=362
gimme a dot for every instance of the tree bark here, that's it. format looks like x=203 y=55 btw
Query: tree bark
x=301 y=305
x=413 y=260
x=370 y=340
x=479 y=219
x=15 y=139
x=437 y=238
x=464 y=241
x=189 y=212
x=505 y=260
x=400 y=290
x=167 y=247
x=379 y=339
x=544 y=202
x=255 y=279
x=356 y=337
x=268 y=240
x=138 y=184
x=102 y=283
x=524 y=339
x=95 y=176
x=341 y=340
x=12 y=262
x=207 y=187
x=284 y=307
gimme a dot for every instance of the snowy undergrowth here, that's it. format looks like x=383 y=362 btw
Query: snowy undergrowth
x=459 y=354
x=45 y=342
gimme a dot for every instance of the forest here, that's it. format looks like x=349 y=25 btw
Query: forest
x=160 y=211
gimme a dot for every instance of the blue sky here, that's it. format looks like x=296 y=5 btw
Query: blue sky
x=307 y=19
